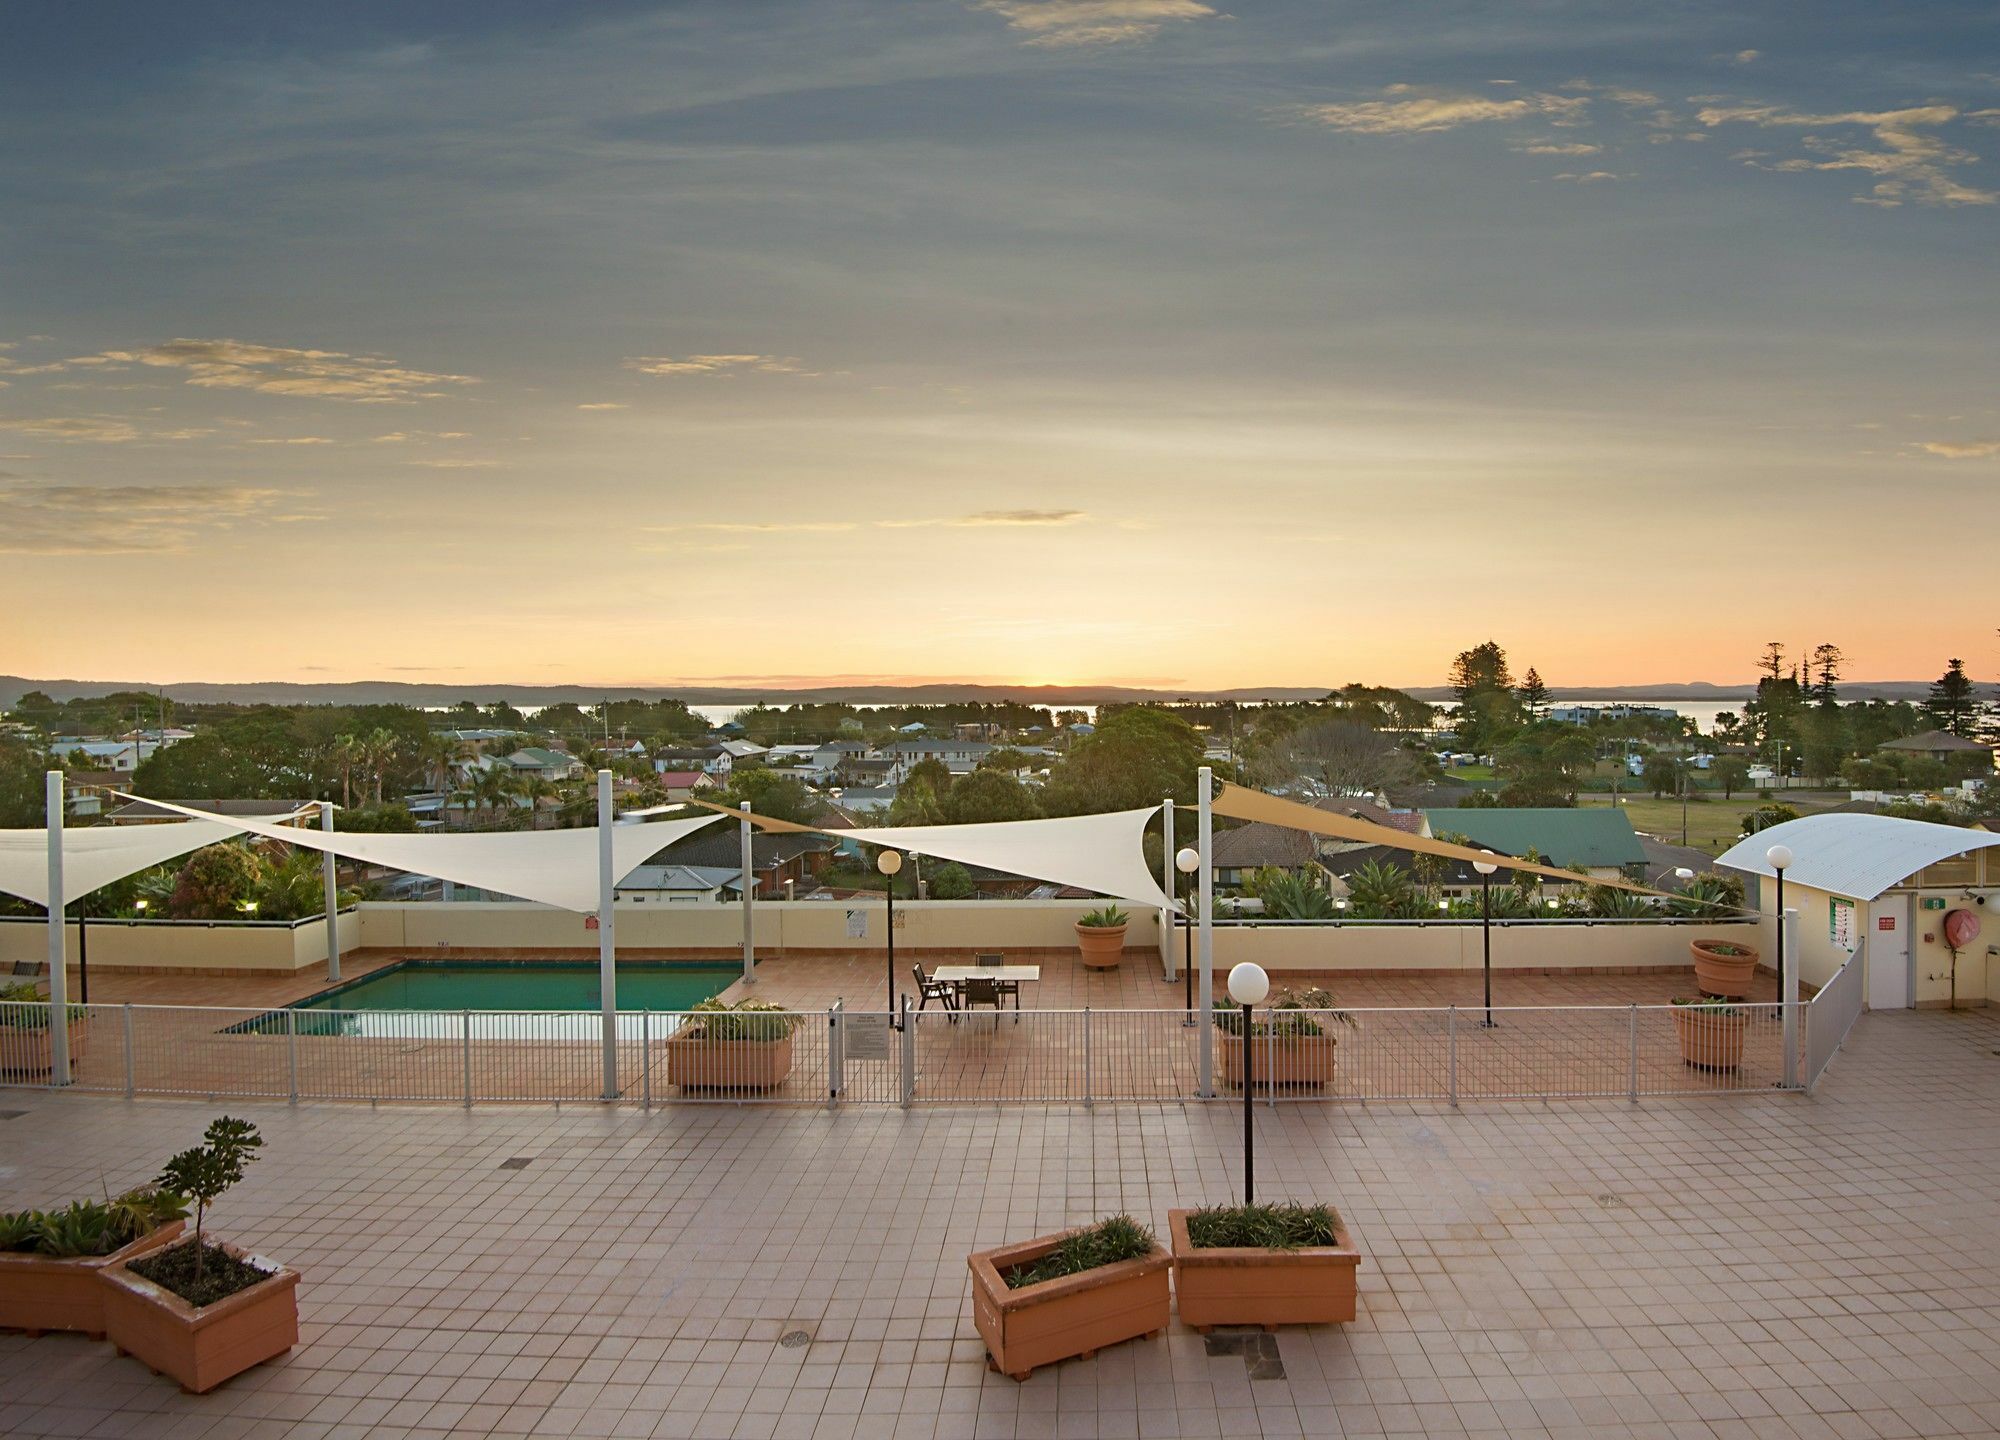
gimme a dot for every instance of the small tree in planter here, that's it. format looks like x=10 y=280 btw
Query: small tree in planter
x=1059 y=1296
x=745 y=1046
x=1711 y=1032
x=1100 y=935
x=1267 y=1265
x=1291 y=1047
x=197 y=1311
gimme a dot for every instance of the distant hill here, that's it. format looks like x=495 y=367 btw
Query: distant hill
x=424 y=693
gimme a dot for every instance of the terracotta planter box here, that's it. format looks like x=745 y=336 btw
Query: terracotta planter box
x=1711 y=1040
x=1723 y=967
x=695 y=1062
x=1102 y=945
x=1233 y=1286
x=40 y=1292
x=1077 y=1315
x=26 y=1052
x=202 y=1347
x=1297 y=1060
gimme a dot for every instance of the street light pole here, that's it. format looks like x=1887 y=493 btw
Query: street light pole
x=1780 y=857
x=1248 y=984
x=889 y=862
x=1187 y=862
x=1486 y=869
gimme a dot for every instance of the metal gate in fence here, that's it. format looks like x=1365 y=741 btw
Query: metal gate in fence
x=925 y=1057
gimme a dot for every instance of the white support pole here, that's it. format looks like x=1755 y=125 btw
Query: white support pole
x=1205 y=844
x=1167 y=884
x=58 y=938
x=332 y=882
x=607 y=935
x=1788 y=997
x=749 y=899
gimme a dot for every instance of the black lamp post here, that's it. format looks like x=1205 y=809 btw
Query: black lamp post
x=1187 y=861
x=1780 y=857
x=1486 y=869
x=889 y=862
x=1248 y=984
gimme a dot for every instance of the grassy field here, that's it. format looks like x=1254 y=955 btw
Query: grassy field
x=1712 y=824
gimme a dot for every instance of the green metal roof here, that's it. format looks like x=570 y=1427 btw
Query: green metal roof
x=1573 y=839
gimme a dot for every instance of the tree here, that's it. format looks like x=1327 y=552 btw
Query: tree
x=1663 y=774
x=22 y=786
x=1950 y=703
x=376 y=819
x=215 y=883
x=988 y=795
x=1137 y=757
x=1534 y=695
x=772 y=794
x=1823 y=741
x=1765 y=816
x=1731 y=773
x=1343 y=756
x=203 y=1173
x=1485 y=691
x=916 y=804
x=1824 y=690
x=951 y=881
x=932 y=772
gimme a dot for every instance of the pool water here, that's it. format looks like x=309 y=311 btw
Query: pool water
x=500 y=985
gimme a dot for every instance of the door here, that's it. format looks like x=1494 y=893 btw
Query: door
x=1889 y=953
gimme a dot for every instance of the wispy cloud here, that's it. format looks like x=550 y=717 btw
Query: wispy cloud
x=985 y=518
x=1550 y=147
x=1587 y=177
x=277 y=370
x=761 y=527
x=294 y=440
x=716 y=365
x=1911 y=163
x=1747 y=57
x=453 y=464
x=1428 y=114
x=1967 y=450
x=95 y=429
x=1095 y=22
x=602 y=405
x=133 y=519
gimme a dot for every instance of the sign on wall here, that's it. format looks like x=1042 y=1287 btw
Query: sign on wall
x=1841 y=927
x=857 y=924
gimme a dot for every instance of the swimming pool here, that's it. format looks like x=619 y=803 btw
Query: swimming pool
x=538 y=985
x=498 y=1000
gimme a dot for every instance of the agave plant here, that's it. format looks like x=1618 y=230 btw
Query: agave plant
x=1288 y=895
x=1107 y=917
x=745 y=1020
x=1379 y=891
x=1607 y=903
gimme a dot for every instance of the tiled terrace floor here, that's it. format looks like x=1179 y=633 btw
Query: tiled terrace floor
x=1767 y=1266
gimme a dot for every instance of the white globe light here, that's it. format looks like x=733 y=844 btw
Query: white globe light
x=1248 y=984
x=1188 y=860
x=1780 y=857
x=889 y=861
x=1681 y=872
x=1484 y=867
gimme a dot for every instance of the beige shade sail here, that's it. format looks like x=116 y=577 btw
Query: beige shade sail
x=553 y=867
x=1238 y=803
x=1101 y=853
x=99 y=855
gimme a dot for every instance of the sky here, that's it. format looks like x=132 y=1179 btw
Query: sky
x=1156 y=342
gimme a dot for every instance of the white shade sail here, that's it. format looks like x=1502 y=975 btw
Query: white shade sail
x=1104 y=853
x=554 y=867
x=98 y=856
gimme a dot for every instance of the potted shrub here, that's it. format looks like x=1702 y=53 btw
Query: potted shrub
x=1291 y=1047
x=745 y=1046
x=1711 y=1032
x=1100 y=935
x=1068 y=1295
x=1267 y=1265
x=25 y=1050
x=197 y=1311
x=50 y=1259
x=1722 y=967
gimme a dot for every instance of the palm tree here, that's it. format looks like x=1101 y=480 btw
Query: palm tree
x=380 y=751
x=345 y=752
x=535 y=789
x=435 y=753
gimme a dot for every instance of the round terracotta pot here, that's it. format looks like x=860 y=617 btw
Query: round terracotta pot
x=1102 y=945
x=1710 y=1039
x=1722 y=967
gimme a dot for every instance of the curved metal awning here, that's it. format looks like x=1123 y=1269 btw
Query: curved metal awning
x=1858 y=856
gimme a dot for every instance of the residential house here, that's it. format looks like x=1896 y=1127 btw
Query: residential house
x=684 y=784
x=960 y=757
x=1596 y=842
x=1939 y=745
x=547 y=764
x=774 y=859
x=144 y=812
x=678 y=884
x=1241 y=852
